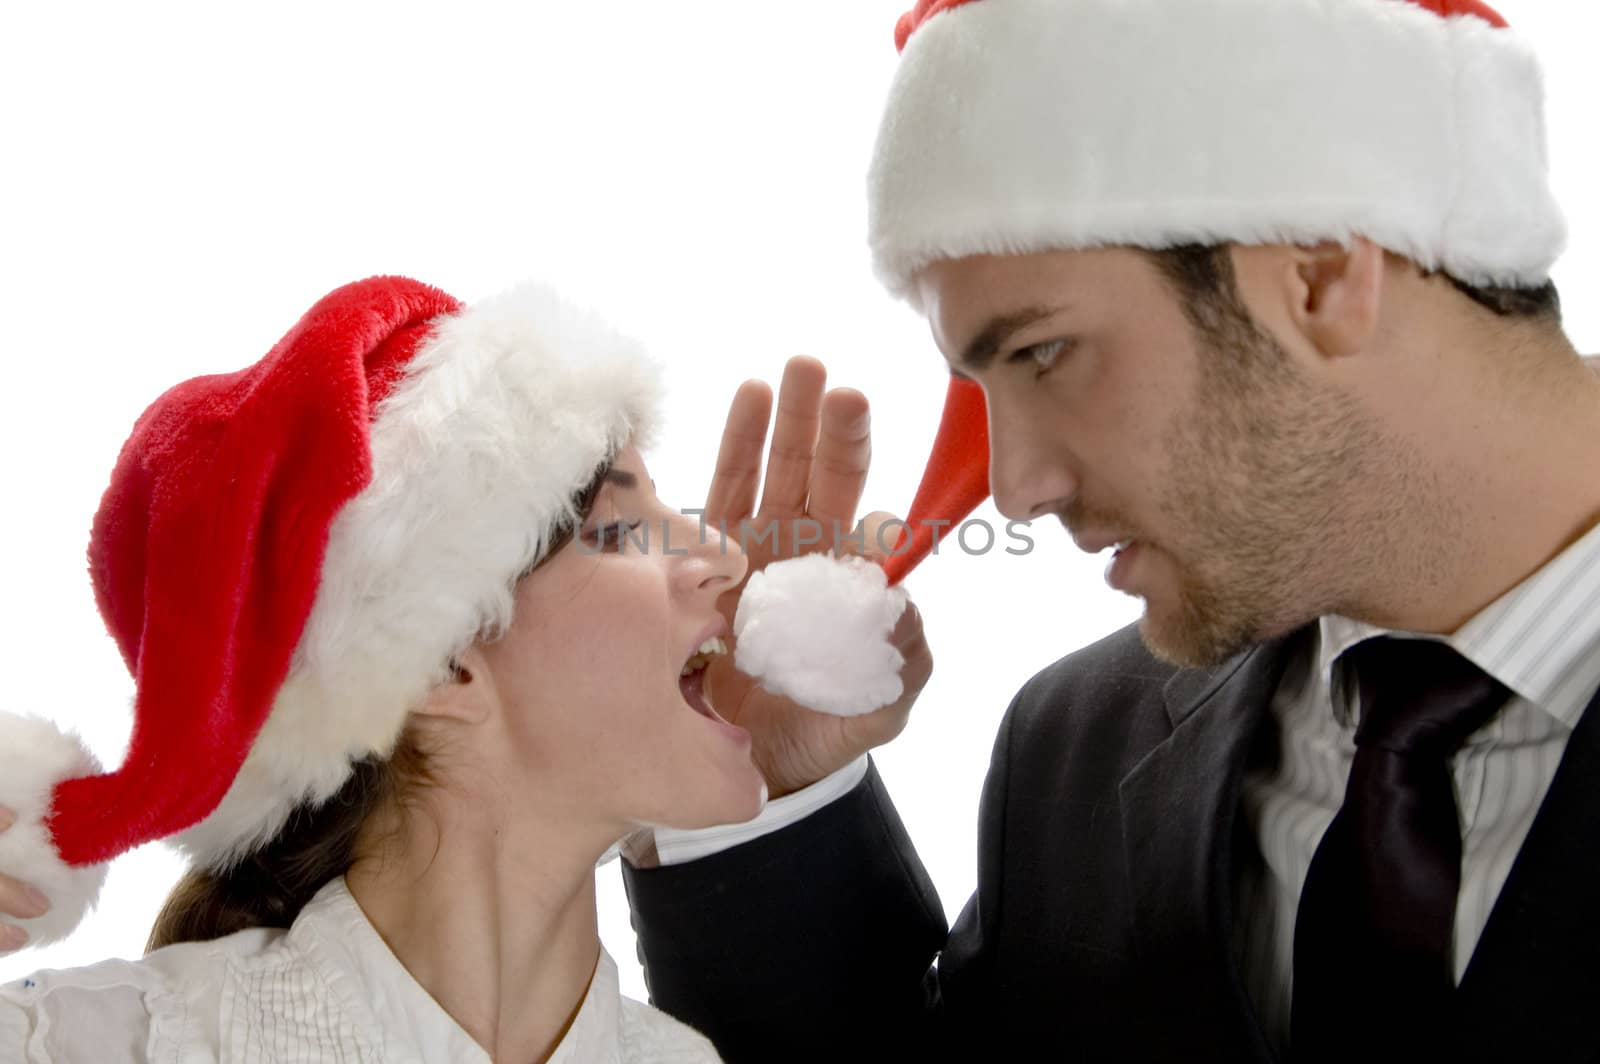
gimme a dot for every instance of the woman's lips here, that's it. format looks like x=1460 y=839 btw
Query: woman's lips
x=693 y=685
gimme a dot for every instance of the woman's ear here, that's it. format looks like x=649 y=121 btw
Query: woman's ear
x=1338 y=295
x=467 y=695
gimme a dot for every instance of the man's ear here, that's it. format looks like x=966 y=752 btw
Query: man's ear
x=467 y=696
x=1337 y=295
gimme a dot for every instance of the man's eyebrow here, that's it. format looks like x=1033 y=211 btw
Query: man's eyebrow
x=993 y=336
x=621 y=478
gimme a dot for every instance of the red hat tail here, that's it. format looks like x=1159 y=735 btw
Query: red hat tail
x=956 y=480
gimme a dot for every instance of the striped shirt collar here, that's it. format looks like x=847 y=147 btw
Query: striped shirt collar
x=1541 y=639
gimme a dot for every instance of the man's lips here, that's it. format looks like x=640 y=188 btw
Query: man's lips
x=1095 y=542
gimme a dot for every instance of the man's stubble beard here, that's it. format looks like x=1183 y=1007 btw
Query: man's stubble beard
x=1275 y=492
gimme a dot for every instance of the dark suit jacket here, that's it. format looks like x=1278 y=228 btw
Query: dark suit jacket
x=1102 y=926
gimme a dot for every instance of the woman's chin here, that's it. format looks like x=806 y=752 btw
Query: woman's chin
x=740 y=797
x=753 y=802
x=744 y=800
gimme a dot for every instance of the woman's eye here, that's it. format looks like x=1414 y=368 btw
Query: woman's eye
x=1044 y=356
x=611 y=537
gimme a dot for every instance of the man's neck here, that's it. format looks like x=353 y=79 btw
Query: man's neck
x=1512 y=472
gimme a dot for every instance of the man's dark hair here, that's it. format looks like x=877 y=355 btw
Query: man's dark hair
x=1203 y=276
x=1516 y=304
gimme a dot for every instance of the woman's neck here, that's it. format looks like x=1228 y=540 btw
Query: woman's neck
x=496 y=921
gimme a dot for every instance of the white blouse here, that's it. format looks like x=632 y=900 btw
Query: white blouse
x=328 y=989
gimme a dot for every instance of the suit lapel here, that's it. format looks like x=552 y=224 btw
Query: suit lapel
x=1531 y=987
x=1179 y=818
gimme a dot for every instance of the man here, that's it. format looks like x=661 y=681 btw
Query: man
x=1257 y=293
x=1307 y=372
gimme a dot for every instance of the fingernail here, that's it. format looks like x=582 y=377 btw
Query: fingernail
x=12 y=938
x=36 y=898
x=7 y=818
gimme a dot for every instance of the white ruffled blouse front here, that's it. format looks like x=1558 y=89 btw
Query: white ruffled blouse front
x=328 y=989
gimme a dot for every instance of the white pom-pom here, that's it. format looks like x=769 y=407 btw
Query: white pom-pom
x=816 y=629
x=34 y=757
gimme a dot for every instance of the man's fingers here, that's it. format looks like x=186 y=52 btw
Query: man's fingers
x=794 y=438
x=882 y=725
x=912 y=641
x=880 y=534
x=732 y=496
x=844 y=454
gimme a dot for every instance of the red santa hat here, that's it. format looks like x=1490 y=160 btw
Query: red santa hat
x=1015 y=126
x=956 y=480
x=288 y=557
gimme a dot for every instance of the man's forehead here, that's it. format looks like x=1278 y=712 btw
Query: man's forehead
x=974 y=304
x=1007 y=283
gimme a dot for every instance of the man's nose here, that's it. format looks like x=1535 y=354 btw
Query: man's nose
x=1028 y=476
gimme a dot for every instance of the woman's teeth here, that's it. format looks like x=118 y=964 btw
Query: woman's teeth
x=701 y=658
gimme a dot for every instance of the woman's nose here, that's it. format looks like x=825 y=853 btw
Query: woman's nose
x=728 y=562
x=717 y=561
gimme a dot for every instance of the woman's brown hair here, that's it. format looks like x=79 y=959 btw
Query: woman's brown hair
x=270 y=887
x=319 y=843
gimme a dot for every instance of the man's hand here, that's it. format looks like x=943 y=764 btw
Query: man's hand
x=17 y=900
x=816 y=469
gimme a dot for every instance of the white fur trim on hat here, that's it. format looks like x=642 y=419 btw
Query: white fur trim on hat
x=1015 y=126
x=34 y=757
x=506 y=413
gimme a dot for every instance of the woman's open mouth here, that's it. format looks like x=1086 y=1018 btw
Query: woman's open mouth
x=692 y=679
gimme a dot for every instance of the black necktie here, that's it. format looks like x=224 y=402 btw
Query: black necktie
x=1373 y=974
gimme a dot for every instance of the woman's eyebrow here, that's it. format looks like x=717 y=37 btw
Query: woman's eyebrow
x=621 y=478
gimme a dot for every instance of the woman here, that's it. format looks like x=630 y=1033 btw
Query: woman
x=414 y=644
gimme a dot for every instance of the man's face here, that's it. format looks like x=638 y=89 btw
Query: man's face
x=1209 y=464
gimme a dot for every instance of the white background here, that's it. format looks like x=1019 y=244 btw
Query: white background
x=179 y=182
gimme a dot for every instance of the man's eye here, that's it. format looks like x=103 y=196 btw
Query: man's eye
x=614 y=536
x=1043 y=356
